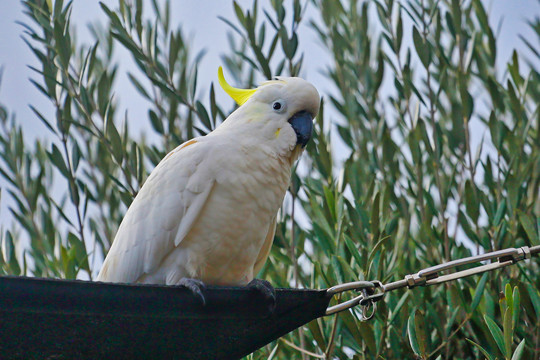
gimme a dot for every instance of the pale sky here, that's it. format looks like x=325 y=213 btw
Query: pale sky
x=199 y=19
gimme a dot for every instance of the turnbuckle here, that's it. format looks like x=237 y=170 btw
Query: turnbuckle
x=373 y=291
x=431 y=276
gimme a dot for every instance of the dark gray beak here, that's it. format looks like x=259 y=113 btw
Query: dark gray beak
x=302 y=123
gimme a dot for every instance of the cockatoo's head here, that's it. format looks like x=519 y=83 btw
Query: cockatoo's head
x=279 y=112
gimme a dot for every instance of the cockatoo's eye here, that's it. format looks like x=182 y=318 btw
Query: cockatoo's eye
x=278 y=106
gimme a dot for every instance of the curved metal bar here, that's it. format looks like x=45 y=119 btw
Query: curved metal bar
x=344 y=305
x=366 y=298
x=356 y=285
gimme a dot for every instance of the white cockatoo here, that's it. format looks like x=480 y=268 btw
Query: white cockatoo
x=207 y=212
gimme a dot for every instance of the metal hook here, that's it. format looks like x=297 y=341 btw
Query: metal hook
x=364 y=310
x=367 y=297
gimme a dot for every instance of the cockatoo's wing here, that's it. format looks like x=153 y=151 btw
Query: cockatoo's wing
x=161 y=215
x=265 y=250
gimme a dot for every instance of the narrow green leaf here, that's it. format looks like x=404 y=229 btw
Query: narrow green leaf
x=517 y=304
x=76 y=156
x=347 y=271
x=535 y=299
x=464 y=222
x=508 y=296
x=500 y=213
x=484 y=351
x=61 y=212
x=422 y=48
x=353 y=249
x=479 y=292
x=315 y=330
x=338 y=270
x=496 y=333
x=469 y=52
x=234 y=27
x=62 y=44
x=74 y=193
x=239 y=13
x=203 y=115
x=274 y=350
x=140 y=88
x=527 y=222
x=9 y=254
x=508 y=333
x=420 y=329
x=78 y=250
x=376 y=248
x=466 y=100
x=518 y=353
x=399 y=32
x=157 y=124
x=451 y=320
x=129 y=44
x=113 y=137
x=375 y=213
x=140 y=165
x=56 y=158
x=496 y=97
x=174 y=46
x=213 y=105
x=361 y=331
x=42 y=118
x=57 y=11
x=396 y=310
x=92 y=61
x=411 y=332
x=262 y=36
x=471 y=201
x=514 y=99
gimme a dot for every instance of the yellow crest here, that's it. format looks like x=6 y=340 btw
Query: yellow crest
x=238 y=95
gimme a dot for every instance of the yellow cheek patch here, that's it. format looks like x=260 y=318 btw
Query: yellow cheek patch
x=238 y=95
x=277 y=132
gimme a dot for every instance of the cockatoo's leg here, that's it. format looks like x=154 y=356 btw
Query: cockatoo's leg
x=196 y=286
x=267 y=291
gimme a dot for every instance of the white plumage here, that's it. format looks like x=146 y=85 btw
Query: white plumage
x=208 y=210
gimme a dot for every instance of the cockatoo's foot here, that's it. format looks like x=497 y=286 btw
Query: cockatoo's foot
x=196 y=286
x=267 y=291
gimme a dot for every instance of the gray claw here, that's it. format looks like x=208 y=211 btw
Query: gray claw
x=268 y=292
x=196 y=286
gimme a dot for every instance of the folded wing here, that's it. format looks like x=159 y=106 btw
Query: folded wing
x=161 y=215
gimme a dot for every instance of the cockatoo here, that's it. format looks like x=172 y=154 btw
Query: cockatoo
x=207 y=212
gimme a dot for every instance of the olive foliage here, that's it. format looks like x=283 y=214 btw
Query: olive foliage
x=424 y=151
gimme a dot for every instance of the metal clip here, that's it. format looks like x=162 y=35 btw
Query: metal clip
x=366 y=299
